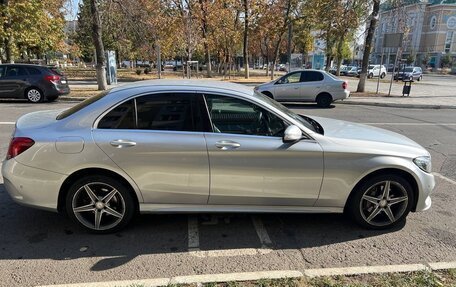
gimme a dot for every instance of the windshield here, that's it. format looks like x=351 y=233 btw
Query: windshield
x=81 y=105
x=408 y=70
x=285 y=110
x=371 y=67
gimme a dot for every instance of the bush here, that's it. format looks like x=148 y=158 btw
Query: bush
x=146 y=71
x=138 y=72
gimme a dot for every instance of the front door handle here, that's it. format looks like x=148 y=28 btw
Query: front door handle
x=122 y=143
x=227 y=145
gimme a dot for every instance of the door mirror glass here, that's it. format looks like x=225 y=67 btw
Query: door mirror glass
x=292 y=134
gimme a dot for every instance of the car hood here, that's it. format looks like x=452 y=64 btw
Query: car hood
x=349 y=130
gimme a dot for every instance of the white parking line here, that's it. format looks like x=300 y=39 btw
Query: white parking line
x=193 y=233
x=444 y=178
x=261 y=232
x=7 y=123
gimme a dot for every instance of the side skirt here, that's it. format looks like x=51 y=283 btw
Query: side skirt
x=192 y=208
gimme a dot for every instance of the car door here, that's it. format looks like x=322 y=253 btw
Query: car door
x=288 y=87
x=249 y=162
x=14 y=82
x=158 y=140
x=311 y=84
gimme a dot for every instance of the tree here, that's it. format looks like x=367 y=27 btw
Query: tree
x=368 y=45
x=98 y=43
x=246 y=38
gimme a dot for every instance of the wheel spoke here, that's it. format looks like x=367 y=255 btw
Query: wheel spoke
x=397 y=200
x=90 y=193
x=84 y=208
x=390 y=214
x=386 y=189
x=112 y=212
x=109 y=196
x=371 y=199
x=374 y=213
x=98 y=215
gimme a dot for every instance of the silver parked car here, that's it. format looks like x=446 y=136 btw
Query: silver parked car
x=196 y=146
x=306 y=86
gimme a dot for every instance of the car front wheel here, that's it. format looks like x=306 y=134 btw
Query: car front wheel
x=381 y=202
x=370 y=76
x=100 y=204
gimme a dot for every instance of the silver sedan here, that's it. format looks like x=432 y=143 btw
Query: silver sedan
x=195 y=146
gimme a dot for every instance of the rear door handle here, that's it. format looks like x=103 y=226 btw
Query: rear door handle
x=227 y=145
x=122 y=143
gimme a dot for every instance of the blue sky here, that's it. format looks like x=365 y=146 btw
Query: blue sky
x=72 y=7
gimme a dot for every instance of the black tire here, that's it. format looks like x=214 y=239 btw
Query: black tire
x=358 y=207
x=268 y=94
x=324 y=100
x=382 y=75
x=370 y=76
x=419 y=78
x=121 y=203
x=34 y=95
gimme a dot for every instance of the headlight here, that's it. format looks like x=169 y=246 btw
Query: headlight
x=424 y=163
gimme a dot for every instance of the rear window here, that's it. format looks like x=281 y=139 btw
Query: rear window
x=81 y=105
x=33 y=71
x=56 y=71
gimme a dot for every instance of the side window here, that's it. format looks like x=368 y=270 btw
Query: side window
x=33 y=71
x=235 y=116
x=311 y=76
x=2 y=71
x=121 y=117
x=290 y=79
x=171 y=112
x=16 y=72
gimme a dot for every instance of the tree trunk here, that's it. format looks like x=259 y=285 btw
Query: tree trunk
x=246 y=38
x=8 y=41
x=207 y=53
x=340 y=44
x=99 y=48
x=368 y=46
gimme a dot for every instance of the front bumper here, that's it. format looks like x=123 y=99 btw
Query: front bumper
x=426 y=185
x=31 y=186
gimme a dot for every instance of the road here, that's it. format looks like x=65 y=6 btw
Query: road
x=38 y=247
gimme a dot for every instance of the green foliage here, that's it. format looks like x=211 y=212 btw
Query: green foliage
x=138 y=72
x=446 y=61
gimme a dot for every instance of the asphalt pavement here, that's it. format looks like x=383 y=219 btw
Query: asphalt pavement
x=38 y=247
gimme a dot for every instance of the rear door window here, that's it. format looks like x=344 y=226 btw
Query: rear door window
x=311 y=76
x=33 y=71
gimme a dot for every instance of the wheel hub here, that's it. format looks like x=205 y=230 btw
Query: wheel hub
x=99 y=205
x=383 y=203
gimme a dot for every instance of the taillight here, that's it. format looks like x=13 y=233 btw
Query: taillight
x=344 y=85
x=19 y=145
x=52 y=78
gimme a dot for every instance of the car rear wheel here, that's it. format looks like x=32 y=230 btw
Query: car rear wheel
x=381 y=202
x=100 y=204
x=34 y=95
x=419 y=78
x=382 y=75
x=324 y=100
x=370 y=76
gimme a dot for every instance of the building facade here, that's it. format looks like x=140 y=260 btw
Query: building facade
x=429 y=29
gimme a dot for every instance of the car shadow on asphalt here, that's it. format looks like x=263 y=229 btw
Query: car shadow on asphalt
x=28 y=233
x=307 y=106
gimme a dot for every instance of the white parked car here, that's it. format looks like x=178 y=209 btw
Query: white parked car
x=376 y=71
x=306 y=86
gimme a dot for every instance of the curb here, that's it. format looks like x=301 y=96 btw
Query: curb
x=253 y=276
x=395 y=105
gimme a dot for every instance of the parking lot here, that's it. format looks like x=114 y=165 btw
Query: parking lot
x=38 y=247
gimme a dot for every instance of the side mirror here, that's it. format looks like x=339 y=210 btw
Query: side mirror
x=292 y=134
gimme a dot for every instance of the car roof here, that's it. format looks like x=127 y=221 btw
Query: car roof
x=24 y=65
x=185 y=85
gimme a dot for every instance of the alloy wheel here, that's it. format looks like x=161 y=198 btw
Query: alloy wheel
x=383 y=203
x=98 y=206
x=34 y=95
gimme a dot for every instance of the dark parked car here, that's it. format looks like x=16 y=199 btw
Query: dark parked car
x=409 y=73
x=32 y=82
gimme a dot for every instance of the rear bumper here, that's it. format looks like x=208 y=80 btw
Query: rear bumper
x=341 y=95
x=32 y=186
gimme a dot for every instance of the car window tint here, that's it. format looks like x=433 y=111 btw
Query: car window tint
x=33 y=71
x=2 y=71
x=291 y=78
x=121 y=117
x=235 y=116
x=311 y=76
x=16 y=72
x=171 y=112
